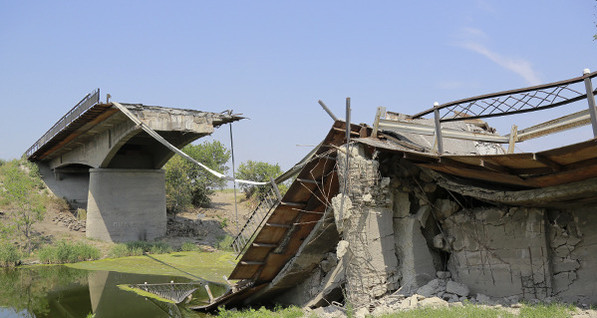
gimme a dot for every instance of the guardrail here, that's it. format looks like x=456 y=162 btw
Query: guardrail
x=515 y=101
x=256 y=220
x=81 y=107
x=518 y=101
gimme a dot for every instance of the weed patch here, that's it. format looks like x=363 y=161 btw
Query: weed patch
x=137 y=248
x=278 y=312
x=225 y=243
x=188 y=246
x=65 y=252
x=9 y=254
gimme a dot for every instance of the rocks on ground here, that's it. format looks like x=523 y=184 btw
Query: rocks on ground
x=69 y=221
x=441 y=292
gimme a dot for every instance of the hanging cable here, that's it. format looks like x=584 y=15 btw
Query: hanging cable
x=170 y=146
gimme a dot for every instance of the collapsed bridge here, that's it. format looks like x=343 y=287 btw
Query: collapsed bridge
x=392 y=207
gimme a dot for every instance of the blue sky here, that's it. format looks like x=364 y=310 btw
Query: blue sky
x=272 y=60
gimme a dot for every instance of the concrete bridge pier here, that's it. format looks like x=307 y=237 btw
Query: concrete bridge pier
x=126 y=204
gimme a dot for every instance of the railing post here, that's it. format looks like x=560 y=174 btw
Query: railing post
x=438 y=129
x=513 y=138
x=591 y=100
x=378 y=115
x=275 y=187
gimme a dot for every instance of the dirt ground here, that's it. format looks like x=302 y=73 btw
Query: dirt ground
x=202 y=226
x=223 y=209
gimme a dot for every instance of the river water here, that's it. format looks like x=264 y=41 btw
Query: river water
x=60 y=291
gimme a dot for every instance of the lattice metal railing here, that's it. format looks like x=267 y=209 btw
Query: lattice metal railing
x=256 y=220
x=176 y=292
x=82 y=106
x=514 y=101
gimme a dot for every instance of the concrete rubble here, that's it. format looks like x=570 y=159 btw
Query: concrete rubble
x=70 y=221
x=404 y=237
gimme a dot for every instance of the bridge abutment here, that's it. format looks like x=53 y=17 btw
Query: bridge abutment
x=126 y=204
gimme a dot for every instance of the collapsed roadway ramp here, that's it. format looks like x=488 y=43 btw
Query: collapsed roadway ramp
x=412 y=208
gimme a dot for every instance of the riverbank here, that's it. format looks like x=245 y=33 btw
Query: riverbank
x=202 y=229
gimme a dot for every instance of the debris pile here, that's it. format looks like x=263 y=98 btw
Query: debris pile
x=197 y=229
x=70 y=221
x=441 y=292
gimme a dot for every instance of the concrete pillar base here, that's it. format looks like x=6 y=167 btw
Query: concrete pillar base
x=126 y=204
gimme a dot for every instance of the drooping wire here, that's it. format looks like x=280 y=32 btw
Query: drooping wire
x=170 y=146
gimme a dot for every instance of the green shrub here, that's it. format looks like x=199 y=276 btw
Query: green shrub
x=223 y=221
x=119 y=250
x=65 y=252
x=21 y=194
x=225 y=243
x=160 y=248
x=188 y=246
x=9 y=255
x=139 y=245
x=136 y=251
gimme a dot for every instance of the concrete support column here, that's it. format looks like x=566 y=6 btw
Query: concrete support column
x=126 y=204
x=364 y=220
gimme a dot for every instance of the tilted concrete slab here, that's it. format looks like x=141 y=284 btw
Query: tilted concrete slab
x=110 y=140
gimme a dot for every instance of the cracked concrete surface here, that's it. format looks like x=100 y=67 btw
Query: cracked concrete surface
x=398 y=229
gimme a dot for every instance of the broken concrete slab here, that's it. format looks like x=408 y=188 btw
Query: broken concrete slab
x=457 y=288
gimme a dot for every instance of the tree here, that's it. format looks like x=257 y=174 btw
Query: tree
x=22 y=195
x=188 y=184
x=257 y=171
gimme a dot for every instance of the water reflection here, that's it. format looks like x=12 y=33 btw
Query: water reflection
x=59 y=291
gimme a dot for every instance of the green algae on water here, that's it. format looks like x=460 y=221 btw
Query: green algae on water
x=209 y=266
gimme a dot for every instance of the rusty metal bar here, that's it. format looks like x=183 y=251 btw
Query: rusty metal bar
x=591 y=100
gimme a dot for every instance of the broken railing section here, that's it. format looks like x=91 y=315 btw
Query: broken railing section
x=256 y=219
x=505 y=103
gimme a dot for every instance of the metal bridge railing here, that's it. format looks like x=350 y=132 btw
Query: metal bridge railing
x=256 y=220
x=81 y=107
x=516 y=101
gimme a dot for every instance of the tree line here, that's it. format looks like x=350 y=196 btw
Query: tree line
x=189 y=185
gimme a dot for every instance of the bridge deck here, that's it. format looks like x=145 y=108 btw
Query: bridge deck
x=90 y=113
x=293 y=219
